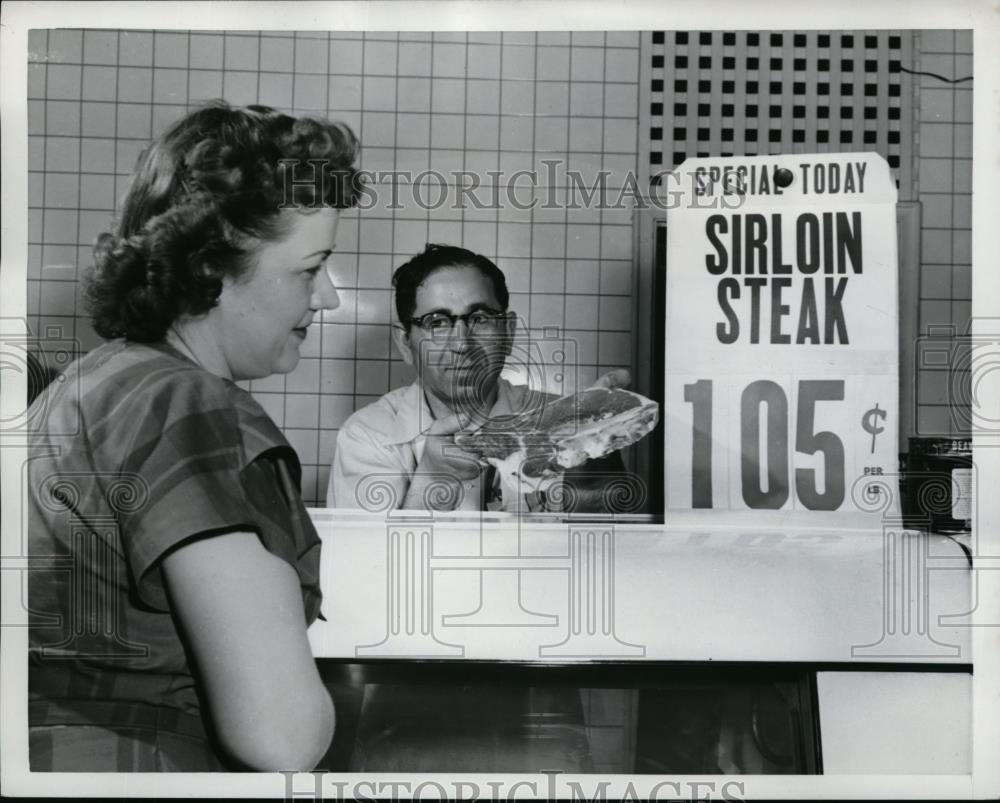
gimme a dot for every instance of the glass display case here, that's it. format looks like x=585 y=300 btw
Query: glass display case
x=622 y=718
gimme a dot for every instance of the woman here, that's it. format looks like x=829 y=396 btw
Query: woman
x=177 y=566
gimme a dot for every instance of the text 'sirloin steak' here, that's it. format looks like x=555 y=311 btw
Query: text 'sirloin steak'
x=542 y=443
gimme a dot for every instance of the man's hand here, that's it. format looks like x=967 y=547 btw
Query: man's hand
x=442 y=456
x=447 y=477
x=617 y=378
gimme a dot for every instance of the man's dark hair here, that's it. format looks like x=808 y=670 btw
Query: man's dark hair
x=409 y=276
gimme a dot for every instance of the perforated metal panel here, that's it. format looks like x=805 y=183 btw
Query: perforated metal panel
x=715 y=93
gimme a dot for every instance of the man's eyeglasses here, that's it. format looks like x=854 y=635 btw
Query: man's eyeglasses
x=439 y=325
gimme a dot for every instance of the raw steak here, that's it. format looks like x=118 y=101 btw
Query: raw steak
x=542 y=443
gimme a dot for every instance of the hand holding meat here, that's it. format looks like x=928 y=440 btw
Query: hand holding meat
x=443 y=456
x=615 y=378
x=537 y=446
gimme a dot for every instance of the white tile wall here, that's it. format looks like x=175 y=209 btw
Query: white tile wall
x=484 y=101
x=478 y=102
x=944 y=185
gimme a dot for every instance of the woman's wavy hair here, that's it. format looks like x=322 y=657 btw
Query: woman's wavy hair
x=201 y=195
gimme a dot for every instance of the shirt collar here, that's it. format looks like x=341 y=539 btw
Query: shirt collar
x=413 y=416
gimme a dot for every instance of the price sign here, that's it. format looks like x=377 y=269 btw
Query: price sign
x=782 y=333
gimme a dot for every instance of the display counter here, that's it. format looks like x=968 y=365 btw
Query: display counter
x=700 y=587
x=711 y=643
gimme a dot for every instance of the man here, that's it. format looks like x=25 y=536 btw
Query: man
x=455 y=329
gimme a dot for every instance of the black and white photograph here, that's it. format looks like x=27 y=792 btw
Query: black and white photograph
x=500 y=400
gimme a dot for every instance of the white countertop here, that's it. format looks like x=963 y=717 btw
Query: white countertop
x=705 y=586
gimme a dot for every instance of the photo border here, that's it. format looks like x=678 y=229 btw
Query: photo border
x=19 y=17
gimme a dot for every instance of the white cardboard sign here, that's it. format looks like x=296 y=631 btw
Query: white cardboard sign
x=782 y=387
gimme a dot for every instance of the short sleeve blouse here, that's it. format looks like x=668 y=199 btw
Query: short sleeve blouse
x=140 y=451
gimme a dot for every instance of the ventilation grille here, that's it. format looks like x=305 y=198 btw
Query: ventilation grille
x=717 y=93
